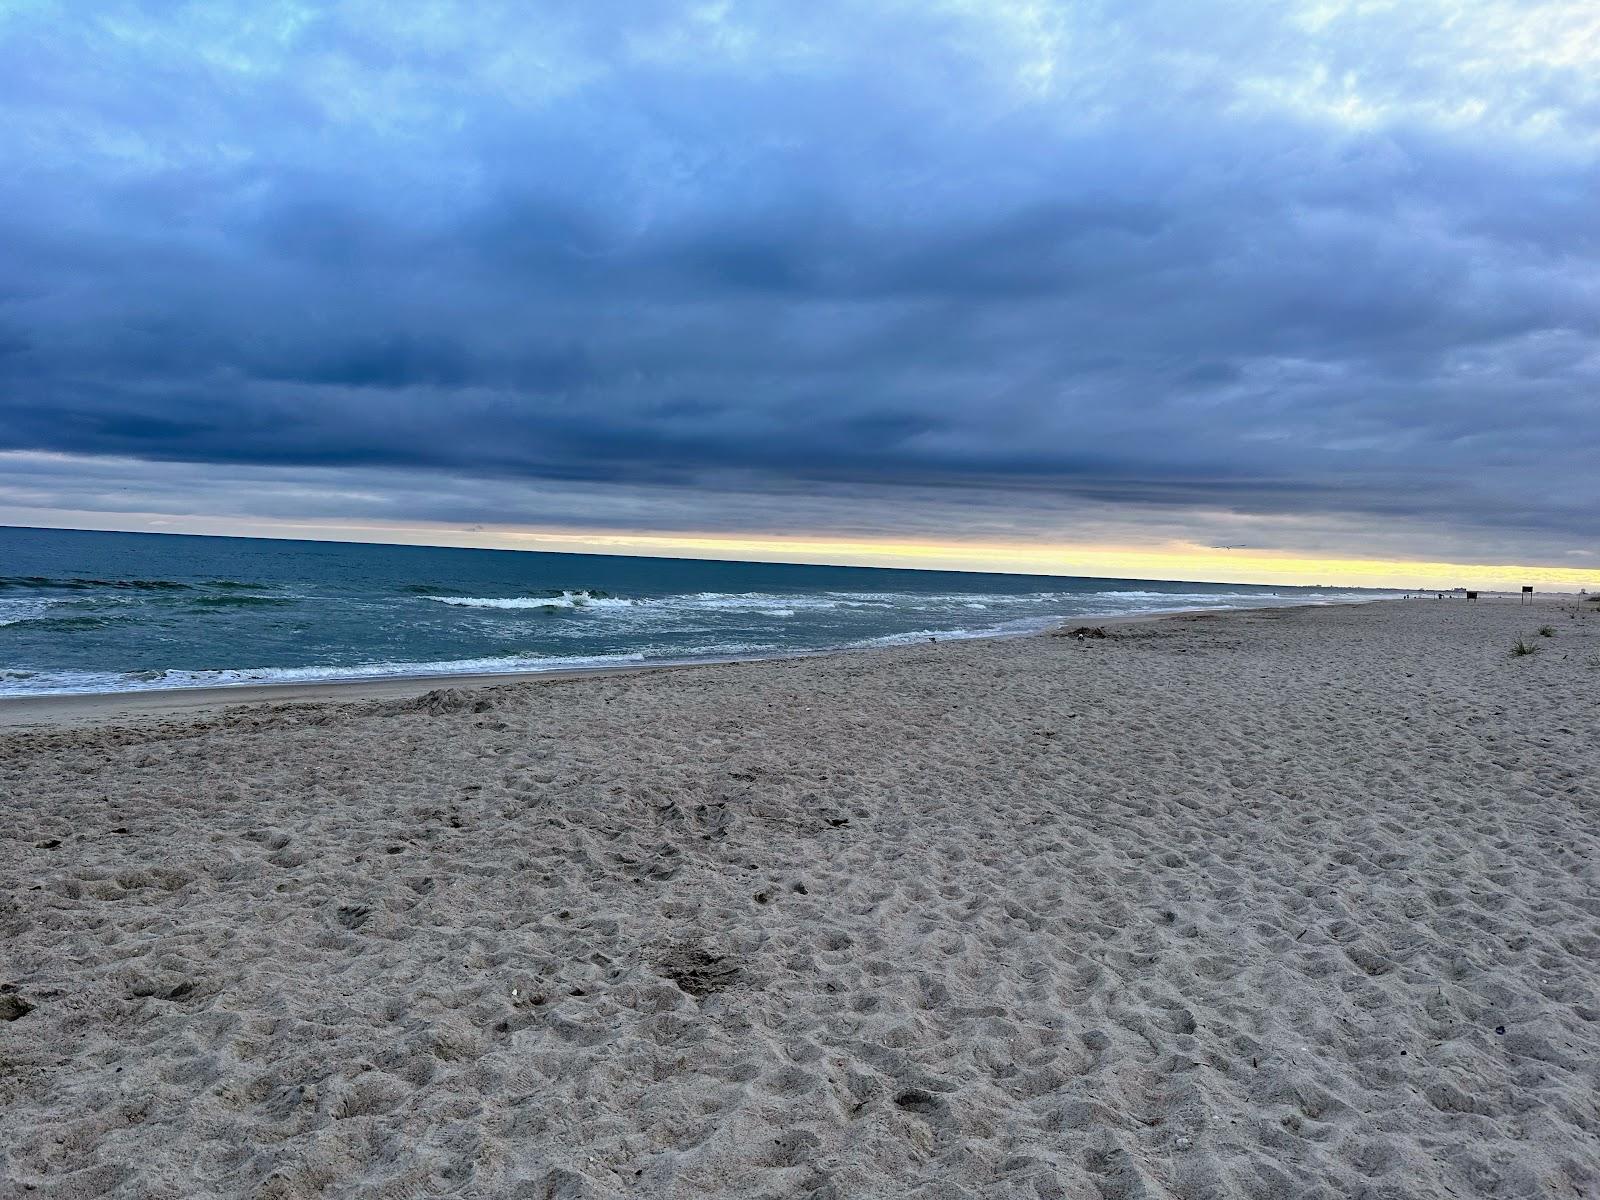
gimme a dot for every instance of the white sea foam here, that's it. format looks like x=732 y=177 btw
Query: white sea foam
x=790 y=604
x=937 y=602
x=1020 y=627
x=57 y=682
x=750 y=601
x=578 y=599
x=16 y=609
x=769 y=604
x=1199 y=596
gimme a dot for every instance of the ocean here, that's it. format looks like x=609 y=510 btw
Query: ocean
x=110 y=612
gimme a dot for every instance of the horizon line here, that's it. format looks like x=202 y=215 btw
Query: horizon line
x=606 y=545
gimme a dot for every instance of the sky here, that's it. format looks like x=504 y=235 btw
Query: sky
x=1279 y=290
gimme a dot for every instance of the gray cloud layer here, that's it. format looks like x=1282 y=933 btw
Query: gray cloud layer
x=1281 y=261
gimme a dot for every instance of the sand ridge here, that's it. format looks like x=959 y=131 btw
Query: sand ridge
x=1300 y=902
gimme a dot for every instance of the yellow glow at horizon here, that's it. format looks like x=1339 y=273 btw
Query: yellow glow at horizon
x=1169 y=561
x=1177 y=561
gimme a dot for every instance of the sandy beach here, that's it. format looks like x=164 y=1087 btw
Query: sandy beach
x=1290 y=903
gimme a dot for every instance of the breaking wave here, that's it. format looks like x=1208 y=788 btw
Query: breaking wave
x=35 y=683
x=48 y=624
x=552 y=601
x=18 y=612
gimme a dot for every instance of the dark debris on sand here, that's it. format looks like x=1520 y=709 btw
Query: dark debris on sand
x=442 y=702
x=697 y=970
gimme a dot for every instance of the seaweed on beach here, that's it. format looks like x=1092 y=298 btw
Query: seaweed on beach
x=697 y=970
x=442 y=702
x=1082 y=632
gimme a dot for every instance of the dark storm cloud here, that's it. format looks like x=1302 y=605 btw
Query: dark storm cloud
x=1336 y=261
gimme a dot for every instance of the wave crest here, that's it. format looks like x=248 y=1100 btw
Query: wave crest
x=241 y=601
x=556 y=600
x=46 y=583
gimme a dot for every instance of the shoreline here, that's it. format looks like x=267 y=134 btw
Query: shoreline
x=68 y=709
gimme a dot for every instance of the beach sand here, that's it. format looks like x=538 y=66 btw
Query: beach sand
x=1294 y=903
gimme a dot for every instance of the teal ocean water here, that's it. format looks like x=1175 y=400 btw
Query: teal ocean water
x=100 y=612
